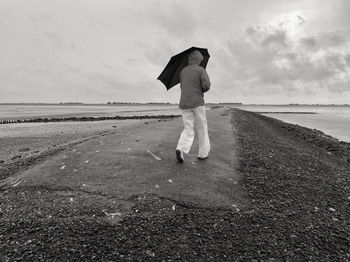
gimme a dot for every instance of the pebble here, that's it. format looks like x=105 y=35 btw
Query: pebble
x=16 y=157
x=332 y=209
x=237 y=209
x=17 y=183
x=28 y=241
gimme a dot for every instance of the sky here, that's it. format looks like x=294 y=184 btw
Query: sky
x=94 y=51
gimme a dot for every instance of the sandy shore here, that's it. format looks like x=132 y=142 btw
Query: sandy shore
x=278 y=192
x=25 y=137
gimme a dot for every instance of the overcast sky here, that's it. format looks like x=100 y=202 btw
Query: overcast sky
x=262 y=51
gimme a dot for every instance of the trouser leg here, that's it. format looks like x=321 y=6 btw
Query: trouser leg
x=202 y=131
x=187 y=135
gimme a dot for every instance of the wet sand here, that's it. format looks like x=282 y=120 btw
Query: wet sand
x=21 y=140
x=22 y=137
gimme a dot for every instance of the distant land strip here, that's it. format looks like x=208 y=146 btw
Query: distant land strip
x=83 y=119
x=302 y=113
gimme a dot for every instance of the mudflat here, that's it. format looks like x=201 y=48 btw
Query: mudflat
x=269 y=191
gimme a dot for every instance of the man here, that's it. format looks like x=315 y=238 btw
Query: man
x=194 y=82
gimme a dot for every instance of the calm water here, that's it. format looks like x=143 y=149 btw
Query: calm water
x=34 y=111
x=334 y=121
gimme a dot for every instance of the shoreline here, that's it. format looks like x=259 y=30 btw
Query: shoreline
x=294 y=181
x=286 y=112
x=315 y=137
x=331 y=127
x=298 y=182
x=86 y=118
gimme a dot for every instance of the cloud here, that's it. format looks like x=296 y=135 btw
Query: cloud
x=158 y=53
x=309 y=42
x=41 y=19
x=56 y=40
x=280 y=63
x=301 y=20
x=86 y=50
x=325 y=40
x=347 y=59
x=277 y=38
x=177 y=18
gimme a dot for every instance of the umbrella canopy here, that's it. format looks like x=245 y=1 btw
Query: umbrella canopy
x=171 y=73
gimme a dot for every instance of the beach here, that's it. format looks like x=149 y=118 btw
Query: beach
x=112 y=191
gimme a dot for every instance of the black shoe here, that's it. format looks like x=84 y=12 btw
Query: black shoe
x=179 y=156
x=202 y=158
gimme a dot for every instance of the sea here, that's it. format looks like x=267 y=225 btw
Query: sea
x=12 y=111
x=332 y=120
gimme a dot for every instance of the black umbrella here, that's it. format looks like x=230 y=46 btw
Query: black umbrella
x=171 y=73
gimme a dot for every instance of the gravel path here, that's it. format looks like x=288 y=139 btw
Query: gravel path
x=297 y=208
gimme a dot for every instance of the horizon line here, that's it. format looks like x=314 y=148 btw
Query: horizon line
x=169 y=103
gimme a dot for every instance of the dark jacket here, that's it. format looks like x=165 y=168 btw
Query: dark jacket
x=194 y=82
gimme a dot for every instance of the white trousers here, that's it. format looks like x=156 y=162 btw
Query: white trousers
x=194 y=118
